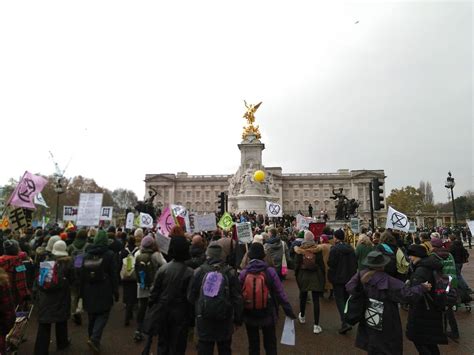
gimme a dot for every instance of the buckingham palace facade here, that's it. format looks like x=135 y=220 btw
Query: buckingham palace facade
x=199 y=193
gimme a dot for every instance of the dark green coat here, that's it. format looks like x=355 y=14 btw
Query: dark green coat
x=310 y=280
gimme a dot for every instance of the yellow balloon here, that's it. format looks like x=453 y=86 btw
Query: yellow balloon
x=259 y=176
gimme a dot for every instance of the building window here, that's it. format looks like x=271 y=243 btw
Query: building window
x=295 y=192
x=306 y=193
x=207 y=193
x=326 y=193
x=188 y=194
x=198 y=194
x=315 y=192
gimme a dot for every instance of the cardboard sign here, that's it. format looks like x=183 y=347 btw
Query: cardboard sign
x=88 y=213
x=244 y=232
x=200 y=223
x=163 y=243
x=106 y=213
x=355 y=225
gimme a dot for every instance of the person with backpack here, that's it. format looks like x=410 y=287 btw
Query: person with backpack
x=310 y=276
x=449 y=268
x=197 y=252
x=99 y=287
x=215 y=291
x=388 y=247
x=262 y=292
x=461 y=256
x=277 y=250
x=77 y=251
x=12 y=263
x=7 y=309
x=425 y=327
x=147 y=261
x=129 y=278
x=169 y=313
x=342 y=265
x=380 y=329
x=55 y=276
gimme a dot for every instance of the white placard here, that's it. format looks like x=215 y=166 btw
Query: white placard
x=274 y=209
x=88 y=212
x=163 y=243
x=130 y=218
x=470 y=224
x=146 y=220
x=288 y=337
x=397 y=220
x=106 y=213
x=302 y=222
x=200 y=223
x=70 y=213
x=244 y=232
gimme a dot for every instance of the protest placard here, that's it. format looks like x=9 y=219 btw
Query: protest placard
x=88 y=212
x=244 y=232
x=70 y=213
x=163 y=243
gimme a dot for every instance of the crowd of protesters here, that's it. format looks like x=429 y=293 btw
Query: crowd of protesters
x=212 y=283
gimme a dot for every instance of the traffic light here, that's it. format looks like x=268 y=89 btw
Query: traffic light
x=222 y=202
x=377 y=190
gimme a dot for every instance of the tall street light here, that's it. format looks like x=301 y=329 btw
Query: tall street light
x=59 y=190
x=450 y=185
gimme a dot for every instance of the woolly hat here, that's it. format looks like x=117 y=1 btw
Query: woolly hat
x=308 y=236
x=51 y=241
x=138 y=233
x=60 y=248
x=214 y=251
x=417 y=250
x=11 y=247
x=147 y=242
x=436 y=242
x=179 y=248
x=63 y=235
x=258 y=239
x=256 y=251
x=111 y=229
x=339 y=234
x=101 y=238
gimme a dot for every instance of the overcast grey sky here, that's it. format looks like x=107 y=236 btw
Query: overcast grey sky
x=121 y=88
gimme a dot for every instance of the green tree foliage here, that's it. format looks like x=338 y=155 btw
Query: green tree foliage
x=407 y=199
x=464 y=206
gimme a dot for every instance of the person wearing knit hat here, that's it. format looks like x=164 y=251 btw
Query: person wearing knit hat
x=11 y=247
x=169 y=294
x=255 y=320
x=214 y=251
x=147 y=261
x=310 y=277
x=51 y=241
x=99 y=282
x=342 y=264
x=54 y=305
x=425 y=324
x=60 y=248
x=197 y=252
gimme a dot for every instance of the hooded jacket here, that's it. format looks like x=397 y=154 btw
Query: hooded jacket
x=277 y=295
x=342 y=263
x=274 y=249
x=425 y=321
x=310 y=280
x=198 y=256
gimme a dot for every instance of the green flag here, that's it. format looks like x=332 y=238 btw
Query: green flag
x=226 y=221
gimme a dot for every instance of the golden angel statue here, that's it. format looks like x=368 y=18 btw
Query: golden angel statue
x=250 y=114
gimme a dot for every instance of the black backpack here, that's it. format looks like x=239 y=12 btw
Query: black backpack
x=214 y=299
x=145 y=270
x=93 y=268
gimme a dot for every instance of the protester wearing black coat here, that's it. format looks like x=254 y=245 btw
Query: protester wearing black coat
x=54 y=305
x=98 y=297
x=425 y=326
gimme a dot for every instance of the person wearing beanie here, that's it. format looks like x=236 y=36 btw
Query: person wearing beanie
x=266 y=321
x=54 y=305
x=342 y=264
x=209 y=329
x=129 y=284
x=425 y=326
x=99 y=286
x=449 y=268
x=275 y=248
x=385 y=337
x=258 y=238
x=169 y=310
x=51 y=241
x=197 y=252
x=77 y=251
x=12 y=262
x=147 y=261
x=310 y=276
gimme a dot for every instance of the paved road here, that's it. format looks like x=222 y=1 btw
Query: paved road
x=118 y=339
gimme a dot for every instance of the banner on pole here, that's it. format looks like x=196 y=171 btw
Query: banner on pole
x=39 y=200
x=397 y=220
x=355 y=225
x=129 y=222
x=274 y=209
x=26 y=190
x=88 y=212
x=146 y=221
x=166 y=222
x=106 y=213
x=226 y=221
x=70 y=213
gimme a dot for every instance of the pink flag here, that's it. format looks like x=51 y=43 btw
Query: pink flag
x=25 y=191
x=166 y=222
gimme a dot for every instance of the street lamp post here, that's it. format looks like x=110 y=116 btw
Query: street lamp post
x=450 y=185
x=59 y=190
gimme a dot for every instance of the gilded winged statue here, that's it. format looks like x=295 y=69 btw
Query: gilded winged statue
x=250 y=114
